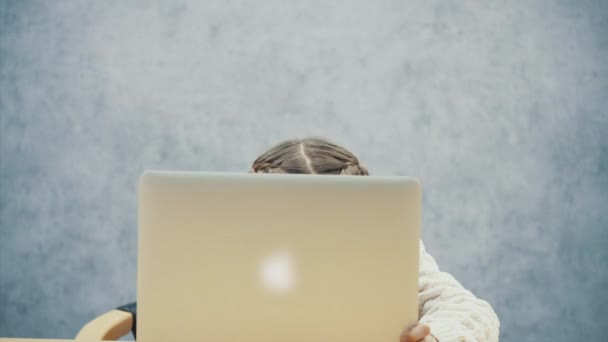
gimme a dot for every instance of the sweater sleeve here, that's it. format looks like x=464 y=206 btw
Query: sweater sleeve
x=452 y=312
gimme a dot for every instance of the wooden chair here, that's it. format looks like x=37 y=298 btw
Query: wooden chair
x=112 y=325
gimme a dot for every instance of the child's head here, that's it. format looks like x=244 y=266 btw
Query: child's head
x=308 y=156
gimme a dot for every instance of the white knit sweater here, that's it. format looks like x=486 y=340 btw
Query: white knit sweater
x=452 y=312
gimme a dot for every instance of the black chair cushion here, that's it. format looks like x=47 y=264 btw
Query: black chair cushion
x=132 y=309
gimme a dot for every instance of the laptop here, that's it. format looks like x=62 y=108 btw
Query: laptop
x=232 y=257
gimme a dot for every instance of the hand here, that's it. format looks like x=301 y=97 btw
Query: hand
x=417 y=333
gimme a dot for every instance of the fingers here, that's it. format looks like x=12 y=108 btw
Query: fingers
x=416 y=333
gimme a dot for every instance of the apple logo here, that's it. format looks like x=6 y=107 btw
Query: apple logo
x=277 y=273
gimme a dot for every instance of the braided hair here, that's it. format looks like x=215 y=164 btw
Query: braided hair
x=308 y=156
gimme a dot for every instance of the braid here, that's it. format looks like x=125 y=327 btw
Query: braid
x=353 y=169
x=265 y=168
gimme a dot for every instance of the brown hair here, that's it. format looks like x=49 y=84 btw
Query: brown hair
x=309 y=156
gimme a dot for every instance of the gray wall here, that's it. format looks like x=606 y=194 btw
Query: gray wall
x=500 y=108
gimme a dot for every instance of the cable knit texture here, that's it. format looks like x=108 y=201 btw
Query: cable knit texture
x=452 y=312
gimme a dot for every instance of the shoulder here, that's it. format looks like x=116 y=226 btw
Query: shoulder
x=427 y=262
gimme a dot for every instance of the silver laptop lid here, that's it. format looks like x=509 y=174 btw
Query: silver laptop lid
x=274 y=257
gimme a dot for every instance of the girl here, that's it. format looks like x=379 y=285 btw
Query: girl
x=447 y=311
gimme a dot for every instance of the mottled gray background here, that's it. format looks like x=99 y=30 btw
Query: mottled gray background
x=499 y=107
